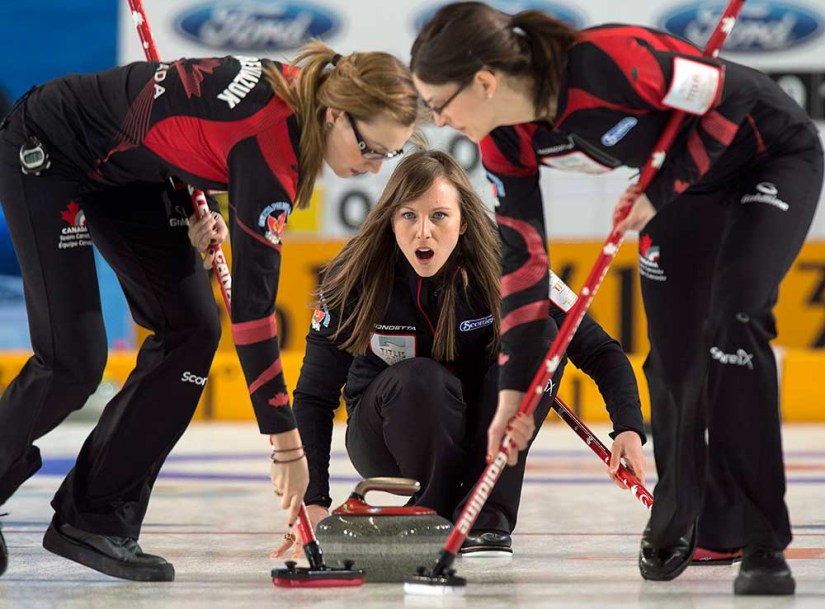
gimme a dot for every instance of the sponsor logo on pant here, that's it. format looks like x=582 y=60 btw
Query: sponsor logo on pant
x=188 y=377
x=765 y=193
x=740 y=358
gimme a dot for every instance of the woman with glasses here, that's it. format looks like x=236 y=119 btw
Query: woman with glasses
x=408 y=323
x=720 y=225
x=88 y=158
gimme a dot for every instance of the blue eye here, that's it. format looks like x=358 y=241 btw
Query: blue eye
x=439 y=215
x=408 y=215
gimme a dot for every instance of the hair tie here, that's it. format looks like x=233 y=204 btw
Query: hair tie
x=335 y=59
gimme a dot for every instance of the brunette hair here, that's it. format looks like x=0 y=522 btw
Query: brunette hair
x=356 y=283
x=465 y=37
x=360 y=84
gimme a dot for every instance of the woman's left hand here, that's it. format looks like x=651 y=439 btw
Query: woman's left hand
x=641 y=210
x=627 y=446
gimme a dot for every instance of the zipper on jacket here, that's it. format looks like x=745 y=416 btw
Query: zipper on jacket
x=420 y=308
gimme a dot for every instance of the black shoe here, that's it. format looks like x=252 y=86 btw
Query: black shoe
x=116 y=556
x=487 y=544
x=664 y=564
x=764 y=572
x=4 y=552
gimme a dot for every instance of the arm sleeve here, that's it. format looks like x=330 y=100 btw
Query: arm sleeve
x=259 y=206
x=511 y=166
x=643 y=71
x=317 y=396
x=600 y=357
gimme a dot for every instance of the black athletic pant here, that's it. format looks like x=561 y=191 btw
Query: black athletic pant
x=711 y=265
x=168 y=292
x=413 y=421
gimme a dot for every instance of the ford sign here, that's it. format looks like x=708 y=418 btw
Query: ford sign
x=763 y=26
x=564 y=13
x=257 y=26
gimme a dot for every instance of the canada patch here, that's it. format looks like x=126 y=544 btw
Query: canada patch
x=320 y=318
x=273 y=219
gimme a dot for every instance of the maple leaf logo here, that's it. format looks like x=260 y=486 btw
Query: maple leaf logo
x=275 y=228
x=280 y=399
x=645 y=244
x=191 y=80
x=73 y=215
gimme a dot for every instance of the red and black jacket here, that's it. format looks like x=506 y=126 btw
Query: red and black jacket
x=214 y=123
x=620 y=85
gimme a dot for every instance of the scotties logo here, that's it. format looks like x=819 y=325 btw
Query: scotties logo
x=76 y=234
x=649 y=260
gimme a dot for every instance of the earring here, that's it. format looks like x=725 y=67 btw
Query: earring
x=330 y=125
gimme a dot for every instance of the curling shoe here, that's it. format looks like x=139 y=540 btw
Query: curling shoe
x=666 y=563
x=487 y=544
x=714 y=558
x=116 y=556
x=764 y=572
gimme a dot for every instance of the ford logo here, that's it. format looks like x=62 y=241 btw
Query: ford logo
x=561 y=12
x=762 y=26
x=260 y=25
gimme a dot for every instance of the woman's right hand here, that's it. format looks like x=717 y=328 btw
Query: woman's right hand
x=206 y=232
x=290 y=482
x=316 y=514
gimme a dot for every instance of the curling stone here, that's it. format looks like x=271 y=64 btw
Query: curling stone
x=390 y=542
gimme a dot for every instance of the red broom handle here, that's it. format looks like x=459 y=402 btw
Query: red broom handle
x=625 y=475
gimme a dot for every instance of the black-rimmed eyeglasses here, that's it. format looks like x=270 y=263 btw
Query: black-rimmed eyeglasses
x=370 y=153
x=440 y=109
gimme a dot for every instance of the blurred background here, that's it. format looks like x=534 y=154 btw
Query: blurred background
x=43 y=39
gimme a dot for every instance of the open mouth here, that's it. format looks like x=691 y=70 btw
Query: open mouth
x=424 y=253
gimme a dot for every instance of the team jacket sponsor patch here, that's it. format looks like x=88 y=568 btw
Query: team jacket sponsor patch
x=393 y=348
x=576 y=161
x=560 y=294
x=694 y=86
x=468 y=325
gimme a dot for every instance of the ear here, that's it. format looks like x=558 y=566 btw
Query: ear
x=332 y=115
x=488 y=81
x=463 y=229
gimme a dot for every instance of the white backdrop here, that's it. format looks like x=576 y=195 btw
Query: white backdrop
x=784 y=37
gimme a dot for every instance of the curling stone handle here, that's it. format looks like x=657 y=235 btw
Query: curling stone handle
x=396 y=486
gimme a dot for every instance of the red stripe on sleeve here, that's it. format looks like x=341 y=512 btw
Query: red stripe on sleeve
x=760 y=143
x=266 y=376
x=720 y=128
x=256 y=331
x=535 y=267
x=496 y=161
x=530 y=312
x=698 y=152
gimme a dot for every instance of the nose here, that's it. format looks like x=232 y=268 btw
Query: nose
x=424 y=229
x=439 y=120
x=374 y=165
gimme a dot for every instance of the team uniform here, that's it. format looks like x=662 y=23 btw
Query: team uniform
x=735 y=198
x=412 y=416
x=114 y=140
